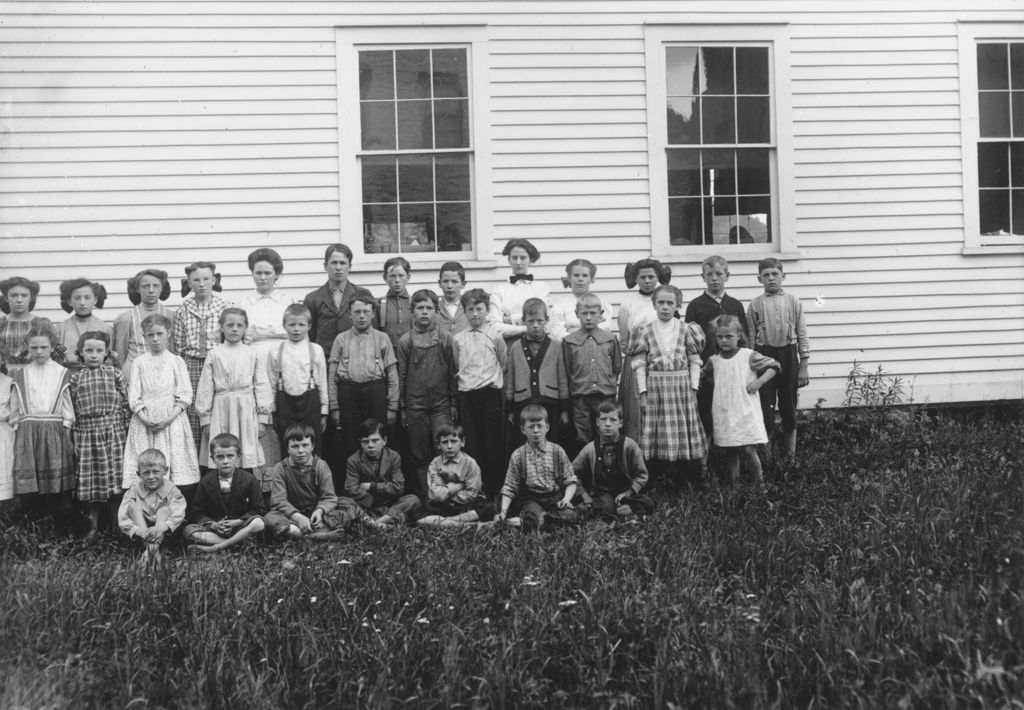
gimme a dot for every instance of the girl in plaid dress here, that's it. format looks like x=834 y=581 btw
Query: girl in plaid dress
x=667 y=365
x=100 y=396
x=196 y=329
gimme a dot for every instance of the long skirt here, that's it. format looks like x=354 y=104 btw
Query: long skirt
x=44 y=455
x=672 y=429
x=99 y=442
x=195 y=370
x=629 y=398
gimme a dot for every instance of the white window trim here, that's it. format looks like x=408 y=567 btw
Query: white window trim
x=776 y=35
x=968 y=36
x=349 y=41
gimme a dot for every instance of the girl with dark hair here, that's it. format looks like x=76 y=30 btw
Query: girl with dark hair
x=146 y=290
x=507 y=298
x=196 y=329
x=17 y=300
x=99 y=394
x=79 y=297
x=635 y=312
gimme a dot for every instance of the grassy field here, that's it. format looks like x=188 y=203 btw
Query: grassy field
x=884 y=569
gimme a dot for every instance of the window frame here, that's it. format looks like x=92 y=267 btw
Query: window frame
x=969 y=35
x=775 y=36
x=349 y=41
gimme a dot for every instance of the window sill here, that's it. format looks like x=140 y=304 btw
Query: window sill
x=995 y=249
x=731 y=254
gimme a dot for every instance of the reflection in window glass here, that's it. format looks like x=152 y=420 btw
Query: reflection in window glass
x=719 y=145
x=417 y=162
x=1001 y=130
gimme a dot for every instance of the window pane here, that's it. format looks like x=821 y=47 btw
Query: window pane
x=452 y=175
x=994 y=206
x=683 y=125
x=416 y=227
x=415 y=178
x=380 y=229
x=717 y=119
x=753 y=172
x=1017 y=66
x=376 y=75
x=1017 y=164
x=377 y=125
x=414 y=126
x=755 y=220
x=454 y=227
x=684 y=221
x=683 y=173
x=1017 y=211
x=681 y=68
x=451 y=123
x=992 y=165
x=379 y=178
x=412 y=73
x=450 y=73
x=994 y=114
x=1017 y=97
x=753 y=117
x=718 y=70
x=719 y=172
x=752 y=70
x=723 y=217
x=992 y=67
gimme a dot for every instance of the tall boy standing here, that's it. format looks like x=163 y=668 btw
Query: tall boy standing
x=593 y=360
x=395 y=309
x=363 y=373
x=480 y=355
x=778 y=331
x=702 y=310
x=427 y=385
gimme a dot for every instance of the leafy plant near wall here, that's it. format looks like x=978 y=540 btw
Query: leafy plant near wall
x=867 y=388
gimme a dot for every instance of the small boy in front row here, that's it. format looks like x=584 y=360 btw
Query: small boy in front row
x=374 y=480
x=540 y=482
x=228 y=505
x=302 y=495
x=777 y=329
x=152 y=508
x=593 y=361
x=612 y=469
x=456 y=496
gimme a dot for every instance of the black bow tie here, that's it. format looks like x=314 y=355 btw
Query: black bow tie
x=520 y=277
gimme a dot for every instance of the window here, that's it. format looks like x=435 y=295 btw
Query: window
x=992 y=110
x=410 y=173
x=715 y=159
x=1001 y=139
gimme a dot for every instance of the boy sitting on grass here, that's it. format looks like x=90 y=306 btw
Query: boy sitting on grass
x=374 y=480
x=612 y=469
x=153 y=508
x=302 y=493
x=540 y=482
x=228 y=505
x=455 y=497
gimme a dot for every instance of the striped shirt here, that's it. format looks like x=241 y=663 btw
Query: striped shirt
x=777 y=320
x=547 y=470
x=196 y=329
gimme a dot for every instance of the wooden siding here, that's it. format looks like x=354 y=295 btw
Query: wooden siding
x=152 y=133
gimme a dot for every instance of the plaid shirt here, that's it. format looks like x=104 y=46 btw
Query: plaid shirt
x=547 y=470
x=99 y=392
x=196 y=329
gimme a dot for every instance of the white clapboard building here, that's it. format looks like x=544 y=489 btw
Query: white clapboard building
x=877 y=148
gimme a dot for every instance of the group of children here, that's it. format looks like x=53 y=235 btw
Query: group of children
x=487 y=424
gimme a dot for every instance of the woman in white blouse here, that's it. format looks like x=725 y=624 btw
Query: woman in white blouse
x=507 y=298
x=265 y=308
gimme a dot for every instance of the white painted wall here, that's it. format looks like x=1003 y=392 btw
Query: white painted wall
x=153 y=133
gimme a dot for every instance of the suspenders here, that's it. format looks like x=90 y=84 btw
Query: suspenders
x=280 y=367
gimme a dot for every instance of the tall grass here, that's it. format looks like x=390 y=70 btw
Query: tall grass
x=883 y=569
